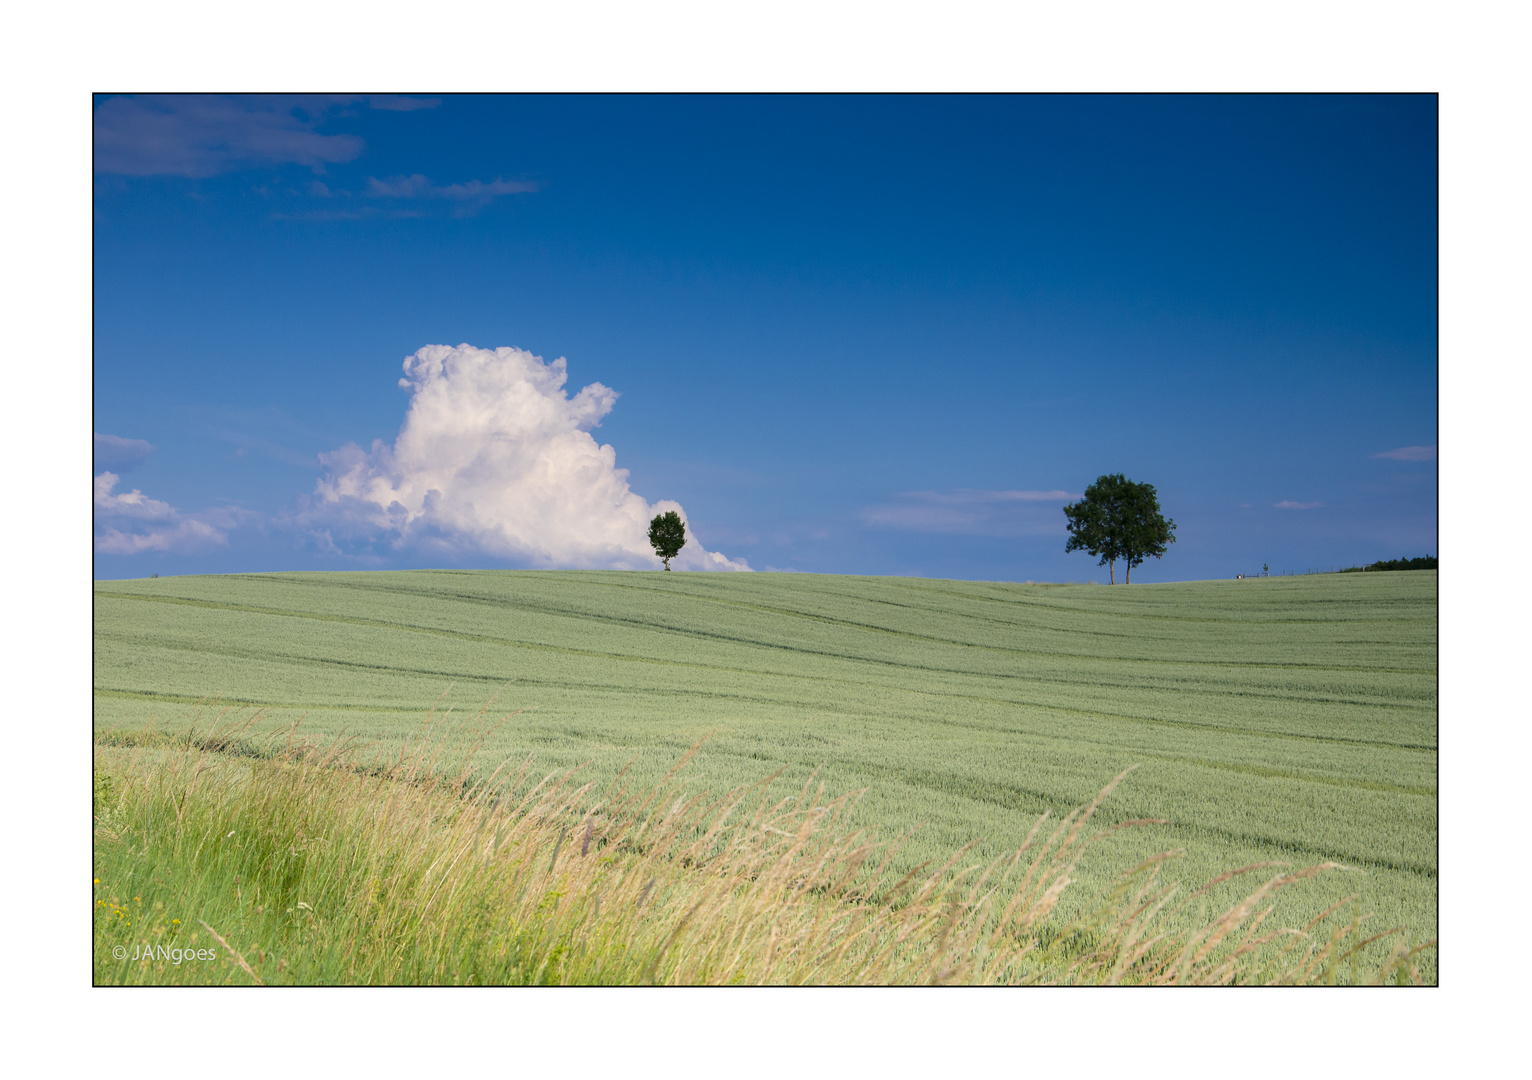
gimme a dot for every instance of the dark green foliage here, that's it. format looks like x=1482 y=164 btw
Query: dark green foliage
x=667 y=532
x=1087 y=527
x=1424 y=562
x=1119 y=519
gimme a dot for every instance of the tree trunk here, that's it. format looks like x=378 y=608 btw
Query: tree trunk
x=1111 y=568
x=1127 y=570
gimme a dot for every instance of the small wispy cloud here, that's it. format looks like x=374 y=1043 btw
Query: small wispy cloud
x=133 y=504
x=1288 y=504
x=468 y=196
x=971 y=496
x=200 y=135
x=402 y=197
x=972 y=511
x=119 y=454
x=131 y=523
x=1410 y=453
x=400 y=103
x=346 y=213
x=187 y=536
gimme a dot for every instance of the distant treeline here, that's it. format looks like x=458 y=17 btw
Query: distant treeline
x=1425 y=562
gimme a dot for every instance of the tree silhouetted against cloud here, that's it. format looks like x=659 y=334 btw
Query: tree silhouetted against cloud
x=667 y=532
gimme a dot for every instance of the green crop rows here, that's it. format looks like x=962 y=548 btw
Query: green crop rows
x=1288 y=719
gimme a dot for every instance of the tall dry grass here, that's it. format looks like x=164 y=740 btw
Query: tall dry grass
x=296 y=863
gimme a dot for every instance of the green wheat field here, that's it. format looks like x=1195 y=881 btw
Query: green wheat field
x=1281 y=720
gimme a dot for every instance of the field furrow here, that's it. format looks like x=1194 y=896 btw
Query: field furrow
x=1290 y=719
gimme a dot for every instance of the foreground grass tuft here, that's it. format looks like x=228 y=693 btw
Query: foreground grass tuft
x=228 y=859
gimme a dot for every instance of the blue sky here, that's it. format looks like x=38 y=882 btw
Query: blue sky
x=878 y=335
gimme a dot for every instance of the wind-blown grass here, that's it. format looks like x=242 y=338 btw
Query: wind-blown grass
x=277 y=861
x=1278 y=720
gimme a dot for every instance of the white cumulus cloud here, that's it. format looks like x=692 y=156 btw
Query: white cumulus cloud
x=495 y=458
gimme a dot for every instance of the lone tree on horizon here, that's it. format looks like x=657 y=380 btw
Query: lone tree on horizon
x=667 y=532
x=1119 y=519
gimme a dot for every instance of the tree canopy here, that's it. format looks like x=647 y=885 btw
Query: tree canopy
x=667 y=532
x=1423 y=562
x=1119 y=519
